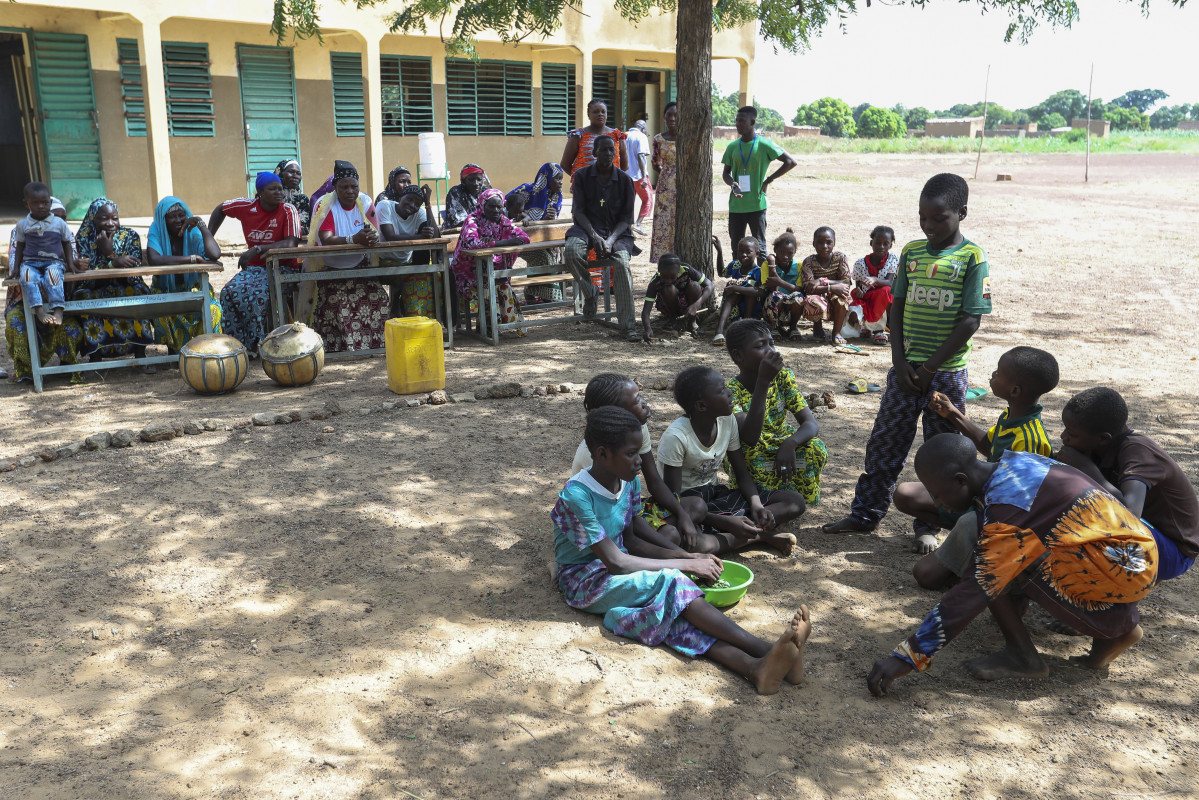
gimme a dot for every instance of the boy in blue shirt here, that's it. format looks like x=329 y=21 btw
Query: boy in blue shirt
x=941 y=292
x=42 y=255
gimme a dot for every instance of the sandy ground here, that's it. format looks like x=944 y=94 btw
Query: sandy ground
x=364 y=612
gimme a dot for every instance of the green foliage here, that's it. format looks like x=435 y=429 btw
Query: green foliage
x=1140 y=99
x=1166 y=117
x=859 y=109
x=770 y=120
x=916 y=117
x=1052 y=120
x=724 y=109
x=1173 y=141
x=1123 y=118
x=1066 y=104
x=880 y=123
x=832 y=115
x=1075 y=135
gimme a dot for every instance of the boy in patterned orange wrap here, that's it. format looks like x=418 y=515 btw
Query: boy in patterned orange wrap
x=1049 y=534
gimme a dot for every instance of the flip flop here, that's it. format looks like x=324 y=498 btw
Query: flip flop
x=718 y=339
x=860 y=386
x=975 y=393
x=849 y=349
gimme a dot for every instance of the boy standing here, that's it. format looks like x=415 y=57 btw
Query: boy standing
x=746 y=162
x=941 y=292
x=638 y=169
x=1136 y=471
x=42 y=255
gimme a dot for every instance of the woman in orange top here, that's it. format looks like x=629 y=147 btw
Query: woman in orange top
x=578 y=142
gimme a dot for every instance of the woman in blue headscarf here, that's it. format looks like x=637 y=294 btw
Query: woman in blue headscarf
x=176 y=237
x=545 y=194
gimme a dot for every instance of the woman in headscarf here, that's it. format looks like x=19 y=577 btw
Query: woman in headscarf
x=290 y=174
x=268 y=222
x=487 y=226
x=398 y=180
x=579 y=141
x=103 y=243
x=349 y=314
x=544 y=202
x=401 y=220
x=176 y=237
x=62 y=340
x=664 y=162
x=461 y=200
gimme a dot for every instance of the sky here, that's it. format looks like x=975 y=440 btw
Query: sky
x=881 y=58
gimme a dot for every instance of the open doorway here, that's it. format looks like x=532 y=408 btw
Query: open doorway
x=20 y=161
x=645 y=98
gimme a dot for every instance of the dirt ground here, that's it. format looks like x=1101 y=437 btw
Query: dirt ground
x=282 y=612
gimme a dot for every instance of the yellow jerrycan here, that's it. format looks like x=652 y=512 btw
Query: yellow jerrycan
x=415 y=355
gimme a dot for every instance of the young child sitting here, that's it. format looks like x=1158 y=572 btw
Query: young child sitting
x=671 y=521
x=676 y=290
x=826 y=285
x=692 y=449
x=1053 y=536
x=778 y=455
x=514 y=206
x=746 y=287
x=784 y=307
x=651 y=601
x=1136 y=471
x=941 y=293
x=873 y=275
x=42 y=255
x=1022 y=376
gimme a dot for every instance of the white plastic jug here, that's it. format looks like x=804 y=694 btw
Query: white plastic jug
x=430 y=149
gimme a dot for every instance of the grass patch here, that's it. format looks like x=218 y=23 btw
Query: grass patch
x=1072 y=142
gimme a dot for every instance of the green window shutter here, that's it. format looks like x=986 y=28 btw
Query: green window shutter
x=406 y=86
x=132 y=91
x=557 y=98
x=349 y=109
x=489 y=98
x=460 y=97
x=518 y=99
x=604 y=87
x=185 y=68
x=672 y=86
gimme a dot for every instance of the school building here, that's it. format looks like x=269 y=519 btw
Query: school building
x=142 y=99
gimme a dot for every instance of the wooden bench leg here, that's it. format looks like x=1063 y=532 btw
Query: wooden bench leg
x=35 y=357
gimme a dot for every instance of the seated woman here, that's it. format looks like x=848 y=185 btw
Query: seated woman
x=398 y=180
x=487 y=227
x=544 y=202
x=268 y=222
x=176 y=237
x=62 y=340
x=290 y=174
x=349 y=314
x=402 y=220
x=103 y=243
x=461 y=200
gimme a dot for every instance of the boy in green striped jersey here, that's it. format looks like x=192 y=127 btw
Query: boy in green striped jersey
x=1022 y=376
x=941 y=292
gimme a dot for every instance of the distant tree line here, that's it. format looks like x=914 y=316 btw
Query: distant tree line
x=834 y=117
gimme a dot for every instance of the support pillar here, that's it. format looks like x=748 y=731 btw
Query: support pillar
x=585 y=64
x=373 y=74
x=157 y=128
x=746 y=90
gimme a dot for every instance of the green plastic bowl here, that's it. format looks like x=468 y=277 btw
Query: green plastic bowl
x=739 y=577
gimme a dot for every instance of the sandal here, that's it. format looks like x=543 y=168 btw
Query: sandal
x=718 y=340
x=839 y=340
x=881 y=338
x=793 y=336
x=975 y=393
x=862 y=386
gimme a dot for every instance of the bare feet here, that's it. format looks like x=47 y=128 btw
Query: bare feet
x=924 y=543
x=802 y=625
x=1105 y=651
x=1057 y=626
x=783 y=542
x=768 y=671
x=43 y=316
x=1008 y=663
x=57 y=317
x=848 y=525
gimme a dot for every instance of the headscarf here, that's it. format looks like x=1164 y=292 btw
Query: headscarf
x=283 y=165
x=296 y=196
x=344 y=169
x=160 y=239
x=459 y=202
x=390 y=193
x=125 y=242
x=540 y=198
x=471 y=169
x=265 y=179
x=323 y=190
x=478 y=232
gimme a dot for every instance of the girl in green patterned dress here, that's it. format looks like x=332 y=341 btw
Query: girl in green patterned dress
x=778 y=455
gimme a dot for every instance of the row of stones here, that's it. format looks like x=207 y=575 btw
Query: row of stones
x=165 y=431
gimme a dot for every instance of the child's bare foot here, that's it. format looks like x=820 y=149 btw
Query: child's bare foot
x=802 y=625
x=43 y=316
x=769 y=670
x=924 y=543
x=1008 y=663
x=1105 y=651
x=848 y=525
x=783 y=542
x=57 y=317
x=1057 y=626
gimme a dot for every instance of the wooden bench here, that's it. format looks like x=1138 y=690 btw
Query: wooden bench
x=439 y=266
x=142 y=306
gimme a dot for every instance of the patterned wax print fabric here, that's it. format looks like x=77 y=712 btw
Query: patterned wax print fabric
x=646 y=605
x=778 y=305
x=783 y=396
x=585 y=157
x=665 y=161
x=479 y=232
x=1068 y=545
x=177 y=331
x=816 y=306
x=104 y=336
x=62 y=340
x=876 y=301
x=738 y=275
x=540 y=199
x=939 y=287
x=1171 y=505
x=297 y=198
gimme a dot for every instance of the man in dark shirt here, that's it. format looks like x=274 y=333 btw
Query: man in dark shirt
x=603 y=217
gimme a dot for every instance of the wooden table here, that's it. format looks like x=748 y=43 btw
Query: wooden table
x=440 y=265
x=142 y=306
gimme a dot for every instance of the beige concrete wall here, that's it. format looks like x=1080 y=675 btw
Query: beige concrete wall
x=1099 y=127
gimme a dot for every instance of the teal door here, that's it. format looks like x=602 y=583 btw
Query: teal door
x=268 y=107
x=66 y=102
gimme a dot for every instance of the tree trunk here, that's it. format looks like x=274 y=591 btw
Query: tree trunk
x=693 y=203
